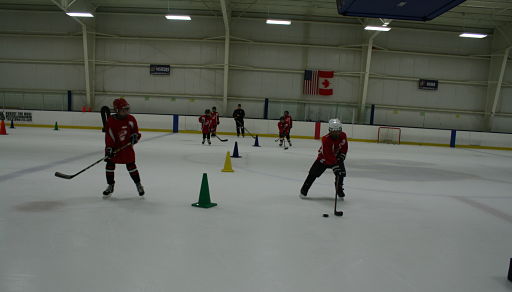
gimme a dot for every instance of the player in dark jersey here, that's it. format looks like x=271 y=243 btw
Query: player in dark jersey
x=239 y=115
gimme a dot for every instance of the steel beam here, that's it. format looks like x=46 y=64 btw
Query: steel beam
x=226 y=17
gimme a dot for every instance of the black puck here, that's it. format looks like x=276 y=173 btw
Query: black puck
x=326 y=215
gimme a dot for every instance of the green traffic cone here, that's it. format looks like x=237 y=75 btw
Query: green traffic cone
x=204 y=195
x=56 y=127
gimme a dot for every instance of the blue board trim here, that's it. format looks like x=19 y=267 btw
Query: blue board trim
x=265 y=109
x=70 y=101
x=175 y=123
x=372 y=115
x=453 y=138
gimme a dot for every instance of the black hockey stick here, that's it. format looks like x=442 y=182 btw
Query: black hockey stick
x=336 y=212
x=220 y=139
x=105 y=114
x=70 y=176
x=284 y=144
x=245 y=129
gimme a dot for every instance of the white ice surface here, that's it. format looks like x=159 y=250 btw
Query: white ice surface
x=416 y=218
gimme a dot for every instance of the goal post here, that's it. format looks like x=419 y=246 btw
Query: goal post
x=389 y=135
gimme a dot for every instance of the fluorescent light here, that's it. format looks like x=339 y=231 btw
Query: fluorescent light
x=379 y=28
x=473 y=35
x=80 y=14
x=178 y=17
x=278 y=21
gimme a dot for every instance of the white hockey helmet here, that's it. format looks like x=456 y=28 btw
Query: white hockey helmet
x=335 y=125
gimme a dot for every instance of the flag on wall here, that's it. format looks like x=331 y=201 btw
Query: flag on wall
x=318 y=82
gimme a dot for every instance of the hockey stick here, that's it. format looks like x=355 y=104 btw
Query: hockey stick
x=245 y=129
x=220 y=139
x=69 y=176
x=284 y=144
x=105 y=114
x=336 y=212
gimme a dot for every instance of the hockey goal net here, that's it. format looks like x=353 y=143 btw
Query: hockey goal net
x=389 y=135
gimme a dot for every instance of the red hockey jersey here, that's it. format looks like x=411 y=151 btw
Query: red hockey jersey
x=117 y=134
x=206 y=123
x=284 y=128
x=215 y=119
x=288 y=120
x=331 y=148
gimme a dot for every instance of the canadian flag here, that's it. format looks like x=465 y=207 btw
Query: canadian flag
x=324 y=82
x=318 y=82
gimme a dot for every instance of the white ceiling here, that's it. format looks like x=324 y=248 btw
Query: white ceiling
x=479 y=14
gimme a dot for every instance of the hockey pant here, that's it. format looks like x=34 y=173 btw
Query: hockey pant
x=131 y=167
x=318 y=168
x=240 y=127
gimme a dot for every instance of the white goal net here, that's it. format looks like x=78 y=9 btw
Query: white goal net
x=389 y=135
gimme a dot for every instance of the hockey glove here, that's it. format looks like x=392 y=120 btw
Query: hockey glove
x=337 y=170
x=134 y=138
x=341 y=157
x=109 y=153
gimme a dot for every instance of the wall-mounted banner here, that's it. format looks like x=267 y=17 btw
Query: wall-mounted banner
x=428 y=84
x=318 y=82
x=16 y=116
x=159 y=69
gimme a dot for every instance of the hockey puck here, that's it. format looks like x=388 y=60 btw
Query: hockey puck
x=326 y=215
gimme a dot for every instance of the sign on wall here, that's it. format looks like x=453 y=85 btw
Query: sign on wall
x=428 y=84
x=16 y=116
x=159 y=69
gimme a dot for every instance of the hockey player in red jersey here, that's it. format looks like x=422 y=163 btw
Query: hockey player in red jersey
x=288 y=119
x=215 y=121
x=206 y=125
x=121 y=129
x=332 y=155
x=284 y=131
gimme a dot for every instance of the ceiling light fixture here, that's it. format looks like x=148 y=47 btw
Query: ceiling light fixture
x=379 y=28
x=80 y=14
x=178 y=17
x=278 y=21
x=473 y=35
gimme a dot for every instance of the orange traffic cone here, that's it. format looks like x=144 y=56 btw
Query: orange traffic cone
x=2 y=128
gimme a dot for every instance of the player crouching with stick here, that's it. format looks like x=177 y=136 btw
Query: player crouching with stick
x=121 y=129
x=332 y=155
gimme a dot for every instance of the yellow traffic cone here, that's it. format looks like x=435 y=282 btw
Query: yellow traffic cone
x=227 y=164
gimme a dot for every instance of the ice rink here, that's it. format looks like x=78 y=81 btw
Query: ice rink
x=417 y=219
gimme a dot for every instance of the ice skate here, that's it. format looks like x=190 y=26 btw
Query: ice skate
x=140 y=189
x=108 y=192
x=304 y=192
x=341 y=193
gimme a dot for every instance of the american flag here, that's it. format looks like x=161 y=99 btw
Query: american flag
x=311 y=82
